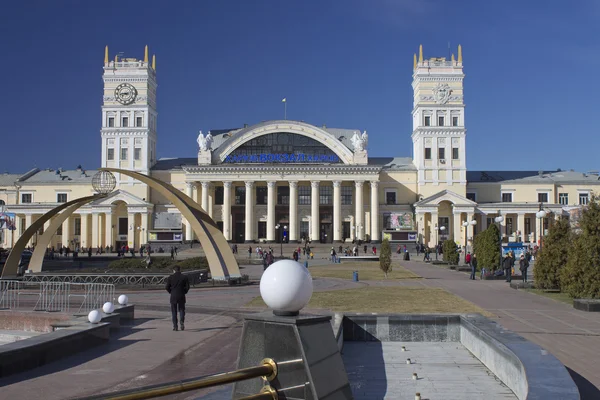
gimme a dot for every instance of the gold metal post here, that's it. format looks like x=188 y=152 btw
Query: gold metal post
x=266 y=393
x=267 y=370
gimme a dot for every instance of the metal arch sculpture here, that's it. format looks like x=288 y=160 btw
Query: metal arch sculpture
x=12 y=262
x=221 y=260
x=37 y=259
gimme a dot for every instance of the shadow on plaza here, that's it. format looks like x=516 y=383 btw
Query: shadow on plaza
x=116 y=342
x=587 y=390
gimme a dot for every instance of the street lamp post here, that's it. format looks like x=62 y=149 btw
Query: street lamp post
x=499 y=220
x=466 y=225
x=541 y=214
x=437 y=241
x=281 y=238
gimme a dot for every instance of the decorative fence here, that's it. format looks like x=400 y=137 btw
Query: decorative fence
x=124 y=279
x=63 y=297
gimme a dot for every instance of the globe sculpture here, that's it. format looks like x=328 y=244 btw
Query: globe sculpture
x=286 y=287
x=104 y=182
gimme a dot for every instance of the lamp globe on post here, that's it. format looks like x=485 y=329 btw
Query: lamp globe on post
x=465 y=225
x=541 y=215
x=437 y=249
x=473 y=224
x=499 y=219
x=286 y=287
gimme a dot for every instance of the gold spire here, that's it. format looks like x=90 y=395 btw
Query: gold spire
x=452 y=57
x=106 y=55
x=146 y=54
x=460 y=53
x=420 y=53
x=415 y=61
x=154 y=62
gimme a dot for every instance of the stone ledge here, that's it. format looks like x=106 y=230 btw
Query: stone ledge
x=588 y=305
x=522 y=285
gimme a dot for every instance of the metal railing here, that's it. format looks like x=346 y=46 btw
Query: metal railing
x=55 y=296
x=267 y=370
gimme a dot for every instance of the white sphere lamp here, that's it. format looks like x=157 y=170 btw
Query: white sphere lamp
x=541 y=214
x=108 y=307
x=286 y=287
x=499 y=219
x=473 y=222
x=123 y=300
x=442 y=228
x=94 y=316
x=465 y=224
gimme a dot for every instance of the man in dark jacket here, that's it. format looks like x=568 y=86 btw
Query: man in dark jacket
x=178 y=285
x=523 y=265
x=507 y=264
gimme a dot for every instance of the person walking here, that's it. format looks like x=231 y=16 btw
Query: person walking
x=178 y=285
x=507 y=264
x=473 y=263
x=523 y=265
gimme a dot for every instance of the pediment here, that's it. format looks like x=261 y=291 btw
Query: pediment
x=446 y=195
x=121 y=195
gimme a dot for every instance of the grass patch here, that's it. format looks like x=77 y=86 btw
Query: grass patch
x=389 y=300
x=367 y=271
x=558 y=296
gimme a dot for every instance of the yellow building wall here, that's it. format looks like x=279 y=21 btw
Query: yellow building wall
x=528 y=193
x=485 y=192
x=574 y=190
x=48 y=193
x=405 y=183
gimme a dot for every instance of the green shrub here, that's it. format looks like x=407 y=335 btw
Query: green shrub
x=487 y=248
x=580 y=278
x=553 y=255
x=385 y=257
x=450 y=252
x=163 y=264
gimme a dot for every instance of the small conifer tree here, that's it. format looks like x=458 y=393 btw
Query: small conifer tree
x=450 y=252
x=487 y=248
x=385 y=257
x=553 y=255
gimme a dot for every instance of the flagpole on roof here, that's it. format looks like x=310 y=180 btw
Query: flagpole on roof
x=284 y=101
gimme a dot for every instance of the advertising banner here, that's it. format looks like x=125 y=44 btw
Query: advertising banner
x=7 y=221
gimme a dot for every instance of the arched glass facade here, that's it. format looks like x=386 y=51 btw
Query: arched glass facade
x=282 y=147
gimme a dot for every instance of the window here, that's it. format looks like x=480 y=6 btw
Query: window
x=261 y=195
x=542 y=197
x=304 y=195
x=427 y=120
x=507 y=197
x=61 y=197
x=490 y=221
x=428 y=153
x=509 y=226
x=454 y=121
x=283 y=195
x=111 y=122
x=390 y=197
x=124 y=154
x=125 y=121
x=563 y=199
x=59 y=230
x=583 y=198
x=110 y=154
x=304 y=230
x=472 y=196
x=138 y=121
x=325 y=195
x=442 y=153
x=26 y=197
x=137 y=153
x=346 y=195
x=440 y=121
x=219 y=195
x=77 y=226
x=455 y=153
x=262 y=229
x=2 y=203
x=527 y=227
x=240 y=195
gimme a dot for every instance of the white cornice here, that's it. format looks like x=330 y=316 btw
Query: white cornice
x=282 y=169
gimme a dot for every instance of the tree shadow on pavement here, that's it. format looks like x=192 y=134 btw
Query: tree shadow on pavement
x=587 y=390
x=206 y=329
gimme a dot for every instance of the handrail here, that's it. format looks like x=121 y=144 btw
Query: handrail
x=267 y=370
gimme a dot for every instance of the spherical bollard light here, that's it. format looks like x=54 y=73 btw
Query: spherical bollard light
x=108 y=307
x=94 y=316
x=123 y=300
x=286 y=287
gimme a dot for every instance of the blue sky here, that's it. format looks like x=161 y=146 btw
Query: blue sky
x=531 y=85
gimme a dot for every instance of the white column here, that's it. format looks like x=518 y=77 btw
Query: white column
x=293 y=211
x=131 y=230
x=205 y=186
x=108 y=228
x=314 y=211
x=457 y=227
x=145 y=227
x=359 y=209
x=433 y=229
x=226 y=210
x=249 y=212
x=375 y=211
x=66 y=233
x=18 y=231
x=270 y=211
x=95 y=230
x=83 y=238
x=337 y=211
x=521 y=225
x=211 y=200
x=189 y=233
x=28 y=221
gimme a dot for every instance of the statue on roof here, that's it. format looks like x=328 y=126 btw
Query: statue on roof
x=359 y=142
x=204 y=142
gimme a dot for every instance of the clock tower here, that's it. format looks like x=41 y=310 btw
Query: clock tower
x=439 y=124
x=129 y=115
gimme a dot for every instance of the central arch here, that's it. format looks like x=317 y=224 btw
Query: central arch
x=298 y=128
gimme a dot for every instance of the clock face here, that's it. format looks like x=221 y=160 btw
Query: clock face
x=125 y=93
